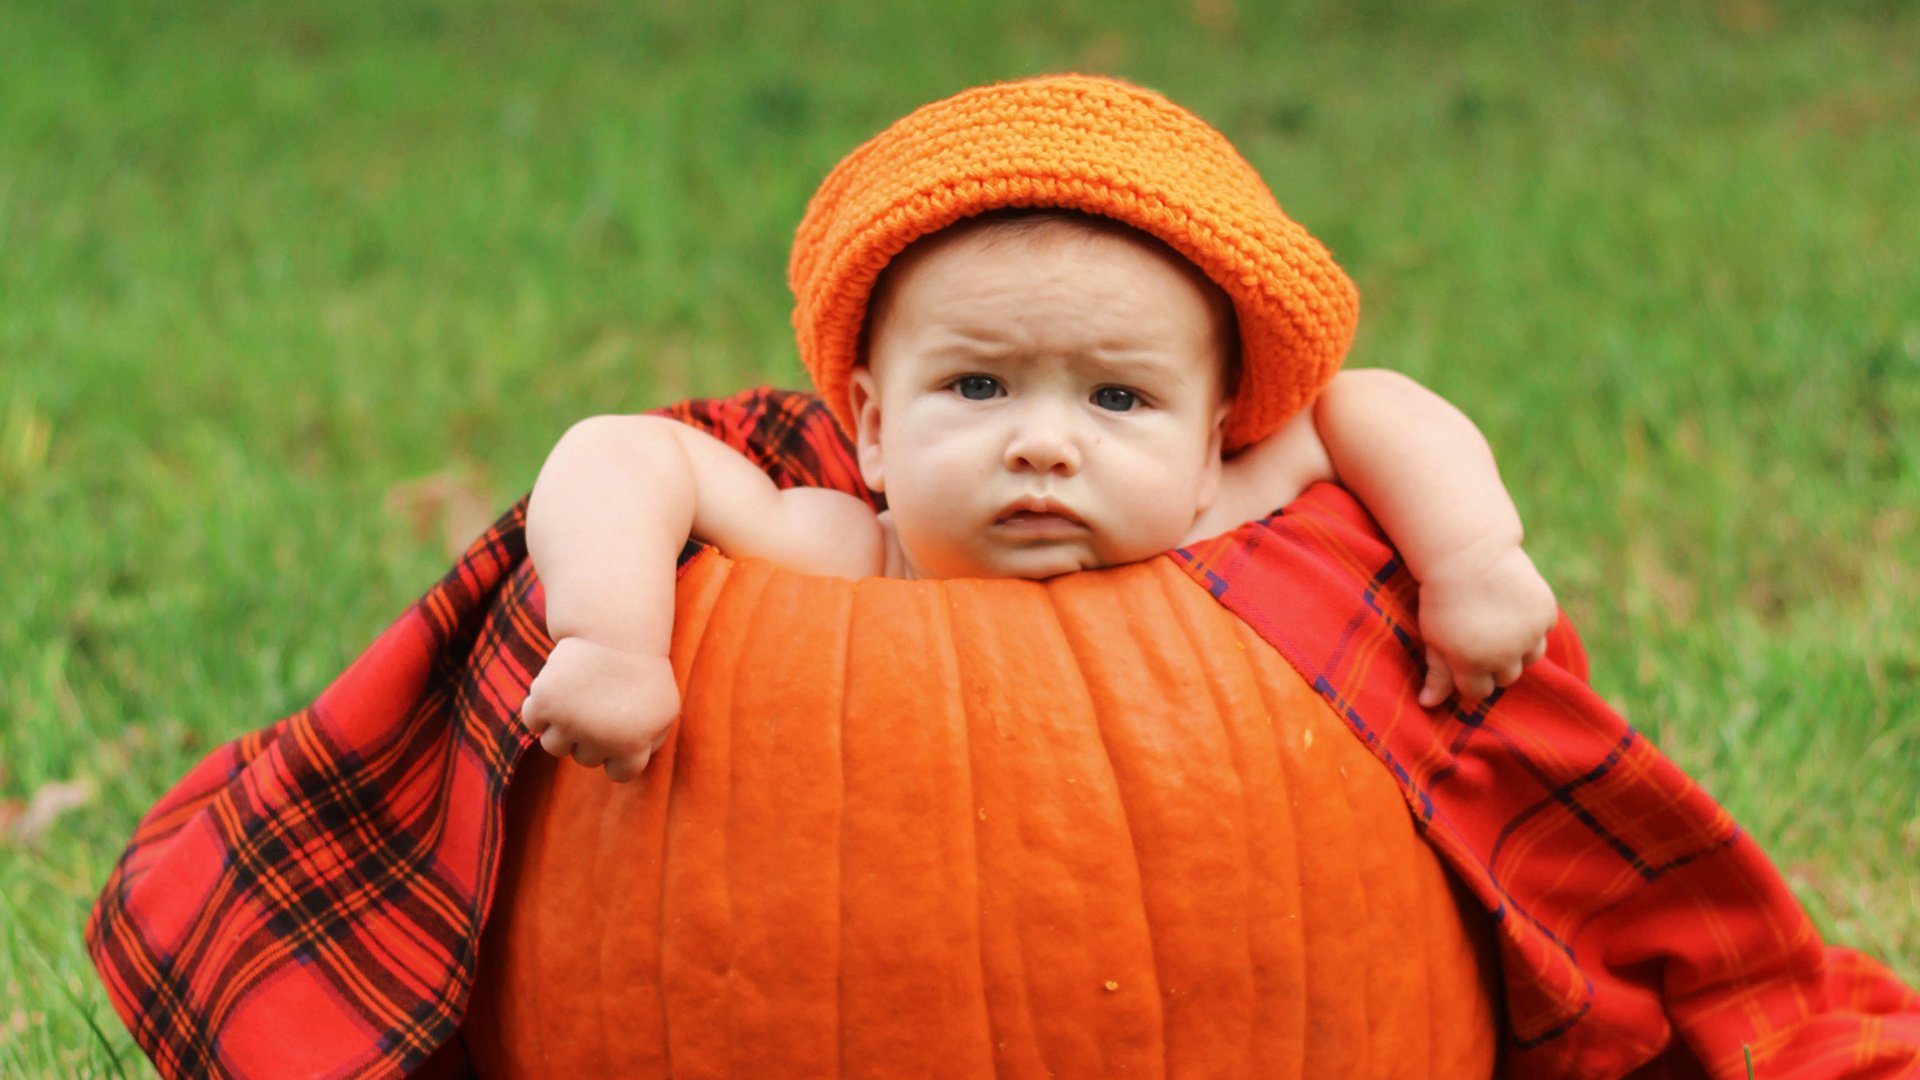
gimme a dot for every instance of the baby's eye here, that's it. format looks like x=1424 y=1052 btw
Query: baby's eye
x=977 y=387
x=1115 y=398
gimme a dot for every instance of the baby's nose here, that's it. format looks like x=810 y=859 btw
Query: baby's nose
x=1044 y=442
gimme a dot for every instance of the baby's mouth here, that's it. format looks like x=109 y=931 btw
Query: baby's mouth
x=1040 y=519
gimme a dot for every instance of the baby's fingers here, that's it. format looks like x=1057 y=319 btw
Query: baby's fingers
x=555 y=742
x=1474 y=685
x=1535 y=654
x=1439 y=682
x=622 y=770
x=530 y=717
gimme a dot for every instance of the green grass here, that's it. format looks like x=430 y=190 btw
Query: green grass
x=262 y=264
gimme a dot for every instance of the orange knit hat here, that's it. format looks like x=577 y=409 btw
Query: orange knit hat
x=1099 y=146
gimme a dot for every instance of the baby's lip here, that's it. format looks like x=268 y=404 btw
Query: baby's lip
x=1039 y=513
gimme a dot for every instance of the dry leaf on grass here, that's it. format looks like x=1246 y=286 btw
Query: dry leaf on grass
x=451 y=506
x=28 y=825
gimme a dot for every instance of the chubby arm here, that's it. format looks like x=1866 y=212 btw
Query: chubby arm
x=1422 y=468
x=620 y=495
x=616 y=500
x=1427 y=475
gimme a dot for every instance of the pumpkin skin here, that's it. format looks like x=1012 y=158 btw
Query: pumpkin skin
x=1092 y=826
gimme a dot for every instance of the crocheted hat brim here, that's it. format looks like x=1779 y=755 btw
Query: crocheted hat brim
x=1090 y=144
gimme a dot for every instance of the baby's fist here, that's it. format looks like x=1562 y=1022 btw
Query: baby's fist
x=1485 y=616
x=602 y=706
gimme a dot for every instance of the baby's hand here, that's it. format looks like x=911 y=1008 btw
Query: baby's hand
x=1485 y=616
x=602 y=705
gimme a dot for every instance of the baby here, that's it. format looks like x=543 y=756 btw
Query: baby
x=1068 y=328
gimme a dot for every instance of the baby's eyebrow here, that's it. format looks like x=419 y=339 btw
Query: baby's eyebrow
x=1126 y=365
x=984 y=345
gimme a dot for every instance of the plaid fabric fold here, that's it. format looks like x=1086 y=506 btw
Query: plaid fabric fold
x=1640 y=929
x=307 y=901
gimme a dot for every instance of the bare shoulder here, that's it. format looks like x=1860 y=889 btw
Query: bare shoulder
x=834 y=515
x=829 y=532
x=623 y=426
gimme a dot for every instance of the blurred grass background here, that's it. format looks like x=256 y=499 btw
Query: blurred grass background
x=293 y=297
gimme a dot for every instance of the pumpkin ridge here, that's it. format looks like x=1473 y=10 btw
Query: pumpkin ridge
x=909 y=904
x=846 y=811
x=1249 y=649
x=1043 y=1048
x=787 y=817
x=1176 y=592
x=1328 y=1024
x=697 y=925
x=952 y=596
x=1158 y=754
x=1214 y=660
x=1061 y=602
x=1055 y=831
x=840 y=897
x=841 y=717
x=1083 y=694
x=943 y=623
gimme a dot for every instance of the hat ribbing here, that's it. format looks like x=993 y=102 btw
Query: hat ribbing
x=1095 y=145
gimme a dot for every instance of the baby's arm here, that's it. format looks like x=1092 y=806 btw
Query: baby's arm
x=1427 y=475
x=615 y=502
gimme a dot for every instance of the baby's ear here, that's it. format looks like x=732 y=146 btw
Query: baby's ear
x=865 y=395
x=1216 y=443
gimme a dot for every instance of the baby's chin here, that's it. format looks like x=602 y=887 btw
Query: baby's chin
x=1031 y=564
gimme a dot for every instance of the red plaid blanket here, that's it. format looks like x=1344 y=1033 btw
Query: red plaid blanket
x=307 y=901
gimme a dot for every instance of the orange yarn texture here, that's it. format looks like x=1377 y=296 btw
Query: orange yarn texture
x=1096 y=145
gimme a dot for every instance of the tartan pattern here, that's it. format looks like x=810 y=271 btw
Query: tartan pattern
x=308 y=899
x=1640 y=929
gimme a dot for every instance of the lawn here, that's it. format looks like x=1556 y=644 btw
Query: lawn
x=294 y=297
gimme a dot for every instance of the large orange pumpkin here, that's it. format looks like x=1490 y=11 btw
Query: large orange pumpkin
x=1092 y=826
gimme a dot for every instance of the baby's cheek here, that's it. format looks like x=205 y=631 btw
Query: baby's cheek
x=931 y=544
x=1164 y=507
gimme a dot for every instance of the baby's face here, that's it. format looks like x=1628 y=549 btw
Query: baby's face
x=1041 y=400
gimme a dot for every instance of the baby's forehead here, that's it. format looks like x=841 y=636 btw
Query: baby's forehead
x=1003 y=240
